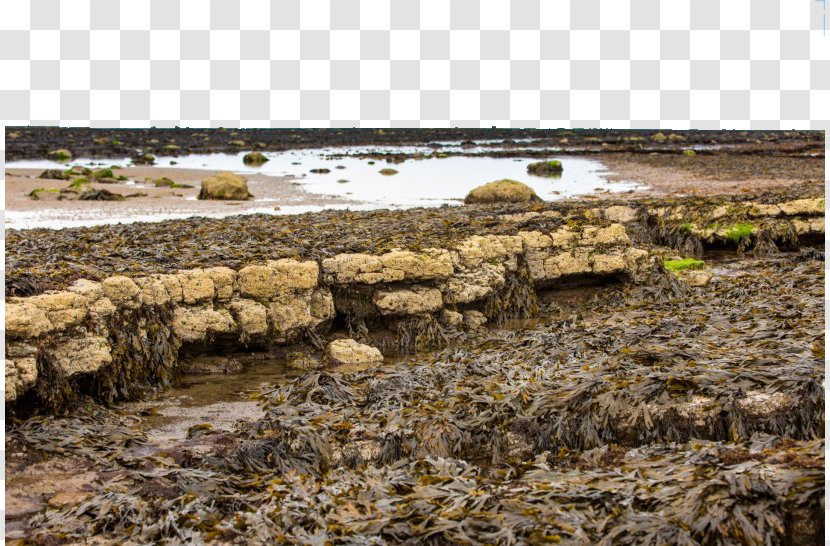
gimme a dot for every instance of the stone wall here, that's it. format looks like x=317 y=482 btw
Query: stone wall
x=276 y=302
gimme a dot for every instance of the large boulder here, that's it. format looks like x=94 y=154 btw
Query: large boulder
x=225 y=186
x=502 y=191
x=254 y=158
x=349 y=351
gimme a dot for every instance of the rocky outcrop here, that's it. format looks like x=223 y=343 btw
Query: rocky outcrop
x=225 y=186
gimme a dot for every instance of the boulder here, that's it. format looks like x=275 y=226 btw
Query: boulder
x=502 y=191
x=545 y=168
x=474 y=320
x=120 y=289
x=349 y=351
x=254 y=158
x=45 y=194
x=60 y=155
x=251 y=316
x=85 y=354
x=54 y=174
x=225 y=186
x=26 y=320
x=194 y=324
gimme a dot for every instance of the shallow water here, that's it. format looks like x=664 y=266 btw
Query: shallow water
x=427 y=182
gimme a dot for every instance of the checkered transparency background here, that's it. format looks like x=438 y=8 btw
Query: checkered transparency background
x=706 y=64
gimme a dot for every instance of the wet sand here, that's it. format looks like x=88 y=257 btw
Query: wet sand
x=272 y=195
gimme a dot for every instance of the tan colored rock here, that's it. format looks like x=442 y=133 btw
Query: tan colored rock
x=295 y=275
x=613 y=234
x=607 y=264
x=569 y=263
x=803 y=207
x=520 y=217
x=427 y=265
x=488 y=248
x=25 y=320
x=63 y=309
x=564 y=237
x=63 y=499
x=408 y=301
x=349 y=351
x=345 y=268
x=451 y=319
x=536 y=264
x=103 y=307
x=21 y=375
x=152 y=291
x=120 y=289
x=535 y=240
x=225 y=186
x=290 y=312
x=252 y=317
x=224 y=279
x=194 y=324
x=473 y=285
x=474 y=320
x=620 y=213
x=84 y=354
x=802 y=227
x=173 y=286
x=817 y=225
x=89 y=290
x=763 y=210
x=197 y=286
x=636 y=259
x=696 y=277
x=257 y=281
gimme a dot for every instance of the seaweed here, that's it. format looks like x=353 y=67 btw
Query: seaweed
x=516 y=299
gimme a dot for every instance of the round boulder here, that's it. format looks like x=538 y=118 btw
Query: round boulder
x=254 y=158
x=350 y=352
x=225 y=186
x=502 y=191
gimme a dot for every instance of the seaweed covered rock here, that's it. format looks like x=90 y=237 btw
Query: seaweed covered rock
x=545 y=168
x=54 y=174
x=502 y=191
x=60 y=155
x=225 y=186
x=254 y=158
x=45 y=194
x=349 y=351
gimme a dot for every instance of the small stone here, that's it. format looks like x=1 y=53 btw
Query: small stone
x=349 y=351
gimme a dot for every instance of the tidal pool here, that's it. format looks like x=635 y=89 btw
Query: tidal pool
x=418 y=182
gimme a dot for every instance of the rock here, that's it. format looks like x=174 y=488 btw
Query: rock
x=224 y=279
x=348 y=268
x=451 y=319
x=408 y=301
x=564 y=237
x=568 y=263
x=658 y=137
x=290 y=313
x=388 y=172
x=545 y=168
x=45 y=194
x=60 y=155
x=254 y=158
x=54 y=174
x=611 y=235
x=803 y=206
x=120 y=289
x=320 y=171
x=426 y=265
x=502 y=191
x=257 y=281
x=63 y=309
x=473 y=285
x=251 y=316
x=535 y=240
x=165 y=182
x=349 y=351
x=197 y=286
x=25 y=320
x=84 y=354
x=68 y=498
x=295 y=275
x=474 y=320
x=21 y=375
x=144 y=159
x=696 y=277
x=152 y=291
x=674 y=137
x=91 y=291
x=607 y=264
x=100 y=195
x=225 y=186
x=194 y=324
x=301 y=361
x=477 y=249
x=619 y=213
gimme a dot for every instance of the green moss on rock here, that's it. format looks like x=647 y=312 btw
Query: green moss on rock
x=254 y=158
x=684 y=264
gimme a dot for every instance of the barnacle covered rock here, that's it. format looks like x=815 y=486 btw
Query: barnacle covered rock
x=252 y=317
x=84 y=354
x=195 y=324
x=408 y=301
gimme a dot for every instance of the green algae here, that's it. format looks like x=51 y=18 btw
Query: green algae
x=684 y=264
